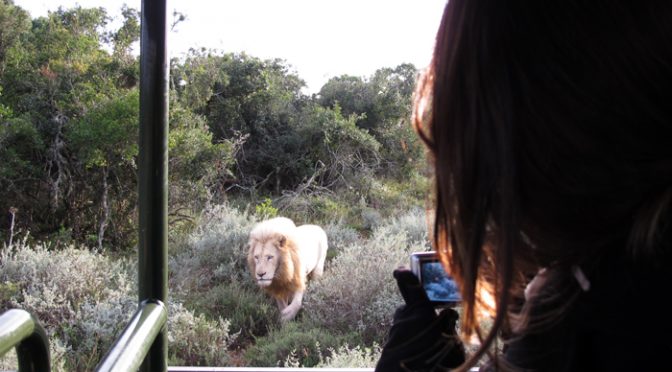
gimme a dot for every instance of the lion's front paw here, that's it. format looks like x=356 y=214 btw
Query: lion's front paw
x=288 y=314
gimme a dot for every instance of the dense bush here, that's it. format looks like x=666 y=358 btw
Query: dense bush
x=250 y=311
x=357 y=292
x=193 y=340
x=294 y=343
x=214 y=252
x=340 y=236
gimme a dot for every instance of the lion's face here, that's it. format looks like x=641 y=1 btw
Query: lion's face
x=264 y=258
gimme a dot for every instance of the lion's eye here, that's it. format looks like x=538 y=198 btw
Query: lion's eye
x=256 y=258
x=269 y=258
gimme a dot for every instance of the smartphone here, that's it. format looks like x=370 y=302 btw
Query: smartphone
x=440 y=287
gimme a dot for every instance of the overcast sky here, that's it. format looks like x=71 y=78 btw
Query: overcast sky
x=319 y=38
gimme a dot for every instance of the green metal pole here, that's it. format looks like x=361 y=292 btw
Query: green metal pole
x=135 y=341
x=21 y=330
x=153 y=172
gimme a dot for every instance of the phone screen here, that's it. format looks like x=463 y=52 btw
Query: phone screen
x=439 y=286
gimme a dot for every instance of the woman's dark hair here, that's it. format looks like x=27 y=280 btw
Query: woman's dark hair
x=549 y=127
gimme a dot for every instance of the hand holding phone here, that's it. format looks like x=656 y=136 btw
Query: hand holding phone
x=439 y=286
x=421 y=338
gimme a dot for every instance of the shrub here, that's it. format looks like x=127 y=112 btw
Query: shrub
x=84 y=300
x=250 y=312
x=357 y=292
x=215 y=251
x=415 y=224
x=77 y=295
x=371 y=218
x=357 y=357
x=56 y=284
x=95 y=328
x=194 y=340
x=295 y=343
x=340 y=236
x=265 y=209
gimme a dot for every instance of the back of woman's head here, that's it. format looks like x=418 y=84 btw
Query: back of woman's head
x=549 y=126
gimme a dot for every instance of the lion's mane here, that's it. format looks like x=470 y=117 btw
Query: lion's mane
x=288 y=276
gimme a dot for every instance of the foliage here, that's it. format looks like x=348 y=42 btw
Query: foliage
x=65 y=290
x=294 y=343
x=340 y=236
x=343 y=150
x=357 y=292
x=104 y=137
x=197 y=165
x=239 y=126
x=265 y=209
x=84 y=299
x=69 y=110
x=355 y=357
x=14 y=22
x=244 y=97
x=105 y=147
x=54 y=74
x=250 y=311
x=215 y=252
x=382 y=106
x=196 y=341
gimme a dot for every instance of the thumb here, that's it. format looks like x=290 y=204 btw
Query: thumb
x=410 y=287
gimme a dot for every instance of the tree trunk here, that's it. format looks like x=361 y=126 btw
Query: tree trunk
x=106 y=210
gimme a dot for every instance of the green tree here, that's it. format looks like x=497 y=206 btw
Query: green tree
x=105 y=144
x=335 y=142
x=14 y=24
x=401 y=151
x=248 y=101
x=56 y=71
x=382 y=104
x=198 y=166
x=353 y=94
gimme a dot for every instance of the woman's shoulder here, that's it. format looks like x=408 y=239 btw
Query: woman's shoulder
x=613 y=318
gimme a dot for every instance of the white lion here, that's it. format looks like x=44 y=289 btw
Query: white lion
x=280 y=258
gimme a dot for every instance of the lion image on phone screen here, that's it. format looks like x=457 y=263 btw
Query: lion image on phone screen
x=281 y=256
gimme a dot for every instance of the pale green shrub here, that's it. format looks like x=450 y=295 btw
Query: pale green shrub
x=415 y=223
x=96 y=326
x=85 y=299
x=357 y=357
x=214 y=252
x=56 y=284
x=194 y=340
x=280 y=346
x=371 y=218
x=340 y=236
x=357 y=291
x=77 y=296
